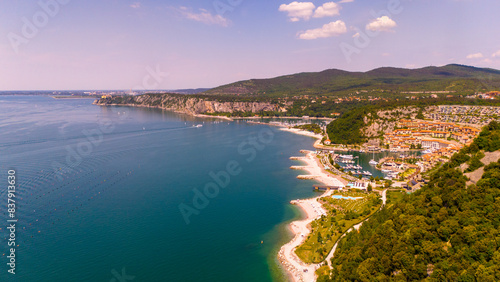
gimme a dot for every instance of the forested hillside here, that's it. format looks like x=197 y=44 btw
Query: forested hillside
x=347 y=129
x=382 y=82
x=443 y=232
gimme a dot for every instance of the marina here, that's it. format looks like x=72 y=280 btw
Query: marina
x=367 y=164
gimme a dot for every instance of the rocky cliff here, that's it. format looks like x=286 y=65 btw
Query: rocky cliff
x=191 y=105
x=385 y=120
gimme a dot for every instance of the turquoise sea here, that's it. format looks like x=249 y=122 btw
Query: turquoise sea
x=99 y=190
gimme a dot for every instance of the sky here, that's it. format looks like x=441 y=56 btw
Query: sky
x=175 y=44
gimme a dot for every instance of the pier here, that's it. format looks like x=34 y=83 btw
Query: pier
x=326 y=188
x=295 y=167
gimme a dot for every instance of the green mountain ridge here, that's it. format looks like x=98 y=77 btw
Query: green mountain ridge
x=335 y=82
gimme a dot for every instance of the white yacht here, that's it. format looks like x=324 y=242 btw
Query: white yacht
x=373 y=161
x=349 y=157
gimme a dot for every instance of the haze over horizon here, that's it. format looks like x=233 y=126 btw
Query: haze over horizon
x=68 y=45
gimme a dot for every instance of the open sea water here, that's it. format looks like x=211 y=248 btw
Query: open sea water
x=99 y=193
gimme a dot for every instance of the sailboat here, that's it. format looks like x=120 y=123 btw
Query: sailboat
x=373 y=161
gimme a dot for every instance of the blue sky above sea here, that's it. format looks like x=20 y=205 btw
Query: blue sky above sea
x=115 y=44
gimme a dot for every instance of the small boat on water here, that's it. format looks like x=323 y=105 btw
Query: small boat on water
x=349 y=157
x=428 y=151
x=373 y=161
x=198 y=125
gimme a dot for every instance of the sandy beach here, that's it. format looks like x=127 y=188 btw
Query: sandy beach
x=317 y=144
x=298 y=270
x=302 y=132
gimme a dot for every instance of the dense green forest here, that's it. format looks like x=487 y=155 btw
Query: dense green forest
x=444 y=232
x=347 y=129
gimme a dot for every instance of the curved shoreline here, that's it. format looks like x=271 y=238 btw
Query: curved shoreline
x=296 y=269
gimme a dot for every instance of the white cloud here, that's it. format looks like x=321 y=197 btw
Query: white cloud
x=328 y=30
x=298 y=10
x=381 y=24
x=475 y=56
x=136 y=5
x=496 y=54
x=205 y=17
x=328 y=9
x=356 y=35
x=346 y=1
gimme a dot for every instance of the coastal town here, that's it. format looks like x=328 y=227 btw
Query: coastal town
x=407 y=153
x=413 y=147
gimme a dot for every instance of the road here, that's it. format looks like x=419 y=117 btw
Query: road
x=384 y=197
x=357 y=226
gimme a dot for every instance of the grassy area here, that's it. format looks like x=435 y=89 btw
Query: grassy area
x=342 y=214
x=351 y=193
x=394 y=196
x=409 y=172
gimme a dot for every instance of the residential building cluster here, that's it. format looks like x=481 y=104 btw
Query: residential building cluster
x=477 y=115
x=488 y=95
x=429 y=134
x=440 y=139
